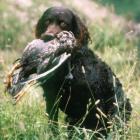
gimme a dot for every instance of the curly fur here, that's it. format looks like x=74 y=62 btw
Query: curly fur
x=92 y=80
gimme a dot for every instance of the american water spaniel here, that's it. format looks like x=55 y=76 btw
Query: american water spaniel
x=84 y=87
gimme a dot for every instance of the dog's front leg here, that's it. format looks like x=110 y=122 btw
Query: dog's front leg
x=52 y=109
x=52 y=112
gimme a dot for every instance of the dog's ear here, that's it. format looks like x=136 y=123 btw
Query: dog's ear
x=80 y=31
x=40 y=26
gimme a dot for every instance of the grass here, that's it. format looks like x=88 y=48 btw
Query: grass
x=27 y=119
x=127 y=8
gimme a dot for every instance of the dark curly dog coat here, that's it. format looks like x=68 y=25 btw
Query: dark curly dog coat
x=84 y=88
x=92 y=95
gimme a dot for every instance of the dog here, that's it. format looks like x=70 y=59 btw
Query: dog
x=92 y=87
x=84 y=88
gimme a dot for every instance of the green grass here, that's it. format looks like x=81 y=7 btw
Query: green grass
x=128 y=8
x=27 y=119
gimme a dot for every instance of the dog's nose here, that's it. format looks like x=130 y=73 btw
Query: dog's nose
x=47 y=37
x=50 y=32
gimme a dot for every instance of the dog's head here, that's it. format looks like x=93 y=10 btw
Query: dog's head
x=57 y=19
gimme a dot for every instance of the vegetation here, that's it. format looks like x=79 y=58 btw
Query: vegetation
x=27 y=120
x=127 y=8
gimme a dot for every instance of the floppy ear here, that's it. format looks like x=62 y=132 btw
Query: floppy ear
x=80 y=31
x=40 y=27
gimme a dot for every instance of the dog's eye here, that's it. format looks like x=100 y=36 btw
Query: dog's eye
x=63 y=24
x=47 y=22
